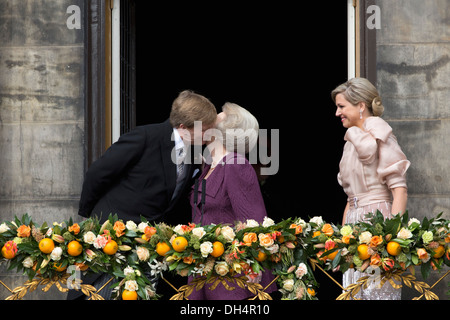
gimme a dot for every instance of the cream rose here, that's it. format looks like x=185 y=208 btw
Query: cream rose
x=365 y=237
x=317 y=220
x=267 y=222
x=251 y=223
x=131 y=226
x=404 y=234
x=3 y=228
x=131 y=285
x=413 y=220
x=228 y=233
x=206 y=248
x=89 y=237
x=143 y=253
x=179 y=229
x=28 y=262
x=56 y=254
x=128 y=271
x=288 y=285
x=141 y=227
x=221 y=268
x=199 y=232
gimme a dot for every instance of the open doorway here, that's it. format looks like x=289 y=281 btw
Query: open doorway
x=280 y=61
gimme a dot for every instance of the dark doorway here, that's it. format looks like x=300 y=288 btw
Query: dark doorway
x=280 y=61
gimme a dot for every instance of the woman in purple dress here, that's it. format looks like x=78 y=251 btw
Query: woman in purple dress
x=232 y=191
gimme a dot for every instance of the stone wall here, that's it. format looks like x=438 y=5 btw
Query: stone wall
x=41 y=114
x=413 y=77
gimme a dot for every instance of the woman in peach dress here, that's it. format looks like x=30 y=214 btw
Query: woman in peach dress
x=372 y=168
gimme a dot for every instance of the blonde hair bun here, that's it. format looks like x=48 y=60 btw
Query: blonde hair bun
x=377 y=106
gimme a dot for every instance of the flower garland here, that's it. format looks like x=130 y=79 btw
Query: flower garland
x=135 y=254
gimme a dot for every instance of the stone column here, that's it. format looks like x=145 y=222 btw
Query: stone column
x=41 y=114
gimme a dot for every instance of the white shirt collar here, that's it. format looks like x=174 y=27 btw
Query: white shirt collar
x=177 y=138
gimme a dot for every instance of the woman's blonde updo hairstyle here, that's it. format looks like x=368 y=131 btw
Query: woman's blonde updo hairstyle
x=358 y=90
x=239 y=130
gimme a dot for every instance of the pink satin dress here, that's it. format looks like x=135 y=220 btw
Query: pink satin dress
x=372 y=164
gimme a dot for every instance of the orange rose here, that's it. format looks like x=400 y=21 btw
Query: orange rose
x=298 y=228
x=265 y=239
x=316 y=234
x=23 y=231
x=376 y=241
x=82 y=266
x=346 y=239
x=249 y=238
x=422 y=254
x=75 y=228
x=149 y=231
x=375 y=260
x=447 y=239
x=327 y=229
x=119 y=228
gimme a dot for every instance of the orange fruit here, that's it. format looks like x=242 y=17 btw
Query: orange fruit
x=74 y=248
x=261 y=256
x=58 y=267
x=129 y=295
x=111 y=248
x=179 y=244
x=439 y=252
x=218 y=249
x=162 y=248
x=8 y=253
x=332 y=255
x=393 y=248
x=363 y=251
x=46 y=245
x=311 y=291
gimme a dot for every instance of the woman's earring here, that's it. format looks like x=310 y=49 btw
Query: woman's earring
x=360 y=114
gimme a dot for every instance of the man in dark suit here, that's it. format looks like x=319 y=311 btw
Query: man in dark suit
x=148 y=171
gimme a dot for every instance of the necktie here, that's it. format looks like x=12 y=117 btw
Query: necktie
x=180 y=161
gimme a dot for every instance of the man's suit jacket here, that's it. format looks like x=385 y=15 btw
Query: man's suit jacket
x=136 y=176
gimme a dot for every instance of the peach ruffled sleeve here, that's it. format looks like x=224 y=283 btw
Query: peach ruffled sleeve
x=378 y=142
x=392 y=162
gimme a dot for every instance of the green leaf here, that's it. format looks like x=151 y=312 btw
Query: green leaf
x=131 y=234
x=173 y=266
x=403 y=242
x=425 y=269
x=405 y=217
x=425 y=223
x=336 y=260
x=119 y=274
